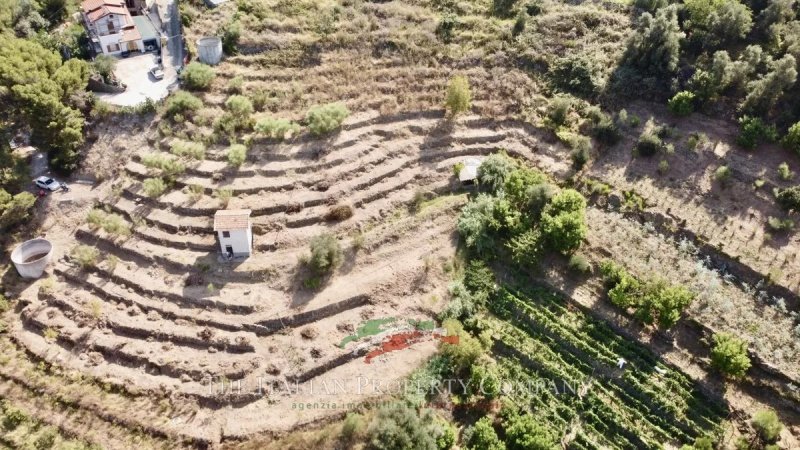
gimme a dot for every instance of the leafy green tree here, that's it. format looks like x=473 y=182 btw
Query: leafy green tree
x=484 y=219
x=15 y=209
x=104 y=66
x=494 y=170
x=563 y=221
x=524 y=432
x=323 y=119
x=730 y=22
x=729 y=355
x=682 y=104
x=654 y=49
x=527 y=247
x=459 y=96
x=482 y=436
x=197 y=76
x=34 y=87
x=484 y=381
x=764 y=92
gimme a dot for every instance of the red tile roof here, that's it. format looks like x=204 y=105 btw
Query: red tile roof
x=232 y=219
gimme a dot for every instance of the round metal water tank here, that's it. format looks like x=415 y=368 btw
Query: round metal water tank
x=31 y=257
x=209 y=50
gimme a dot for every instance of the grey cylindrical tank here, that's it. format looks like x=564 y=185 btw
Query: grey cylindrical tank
x=31 y=257
x=209 y=50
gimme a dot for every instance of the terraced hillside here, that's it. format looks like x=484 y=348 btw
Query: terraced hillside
x=143 y=335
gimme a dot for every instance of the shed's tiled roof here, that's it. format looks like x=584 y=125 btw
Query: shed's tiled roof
x=232 y=219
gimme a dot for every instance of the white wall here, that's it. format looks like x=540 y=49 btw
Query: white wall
x=240 y=240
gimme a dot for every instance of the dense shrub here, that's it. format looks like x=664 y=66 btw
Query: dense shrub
x=197 y=76
x=193 y=150
x=579 y=264
x=153 y=187
x=503 y=8
x=648 y=144
x=789 y=198
x=110 y=223
x=276 y=128
x=483 y=219
x=445 y=27
x=326 y=118
x=15 y=209
x=524 y=432
x=722 y=175
x=240 y=108
x=182 y=103
x=462 y=355
x=479 y=279
x=494 y=170
x=607 y=131
x=237 y=154
x=563 y=221
x=654 y=49
x=792 y=139
x=400 y=428
x=482 y=436
x=764 y=92
x=459 y=96
x=326 y=253
x=767 y=425
x=527 y=247
x=682 y=104
x=169 y=167
x=230 y=34
x=558 y=110
x=575 y=74
x=86 y=256
x=729 y=355
x=339 y=212
x=753 y=132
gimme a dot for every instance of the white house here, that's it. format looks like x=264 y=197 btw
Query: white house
x=111 y=28
x=234 y=231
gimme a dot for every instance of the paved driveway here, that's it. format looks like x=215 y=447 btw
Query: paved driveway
x=134 y=72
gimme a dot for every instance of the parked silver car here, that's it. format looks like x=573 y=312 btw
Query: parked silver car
x=47 y=183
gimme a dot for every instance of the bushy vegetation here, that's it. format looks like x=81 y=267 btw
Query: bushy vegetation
x=168 y=167
x=197 y=76
x=110 y=223
x=789 y=198
x=182 y=103
x=236 y=155
x=767 y=425
x=15 y=209
x=154 y=187
x=654 y=301
x=753 y=132
x=399 y=427
x=326 y=253
x=86 y=256
x=188 y=149
x=459 y=96
x=324 y=119
x=276 y=128
x=729 y=355
x=682 y=104
x=45 y=95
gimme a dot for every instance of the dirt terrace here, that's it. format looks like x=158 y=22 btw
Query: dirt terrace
x=136 y=323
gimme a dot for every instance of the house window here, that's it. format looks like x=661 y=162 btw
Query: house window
x=226 y=234
x=110 y=27
x=113 y=48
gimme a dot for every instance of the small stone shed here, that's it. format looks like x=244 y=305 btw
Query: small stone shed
x=234 y=232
